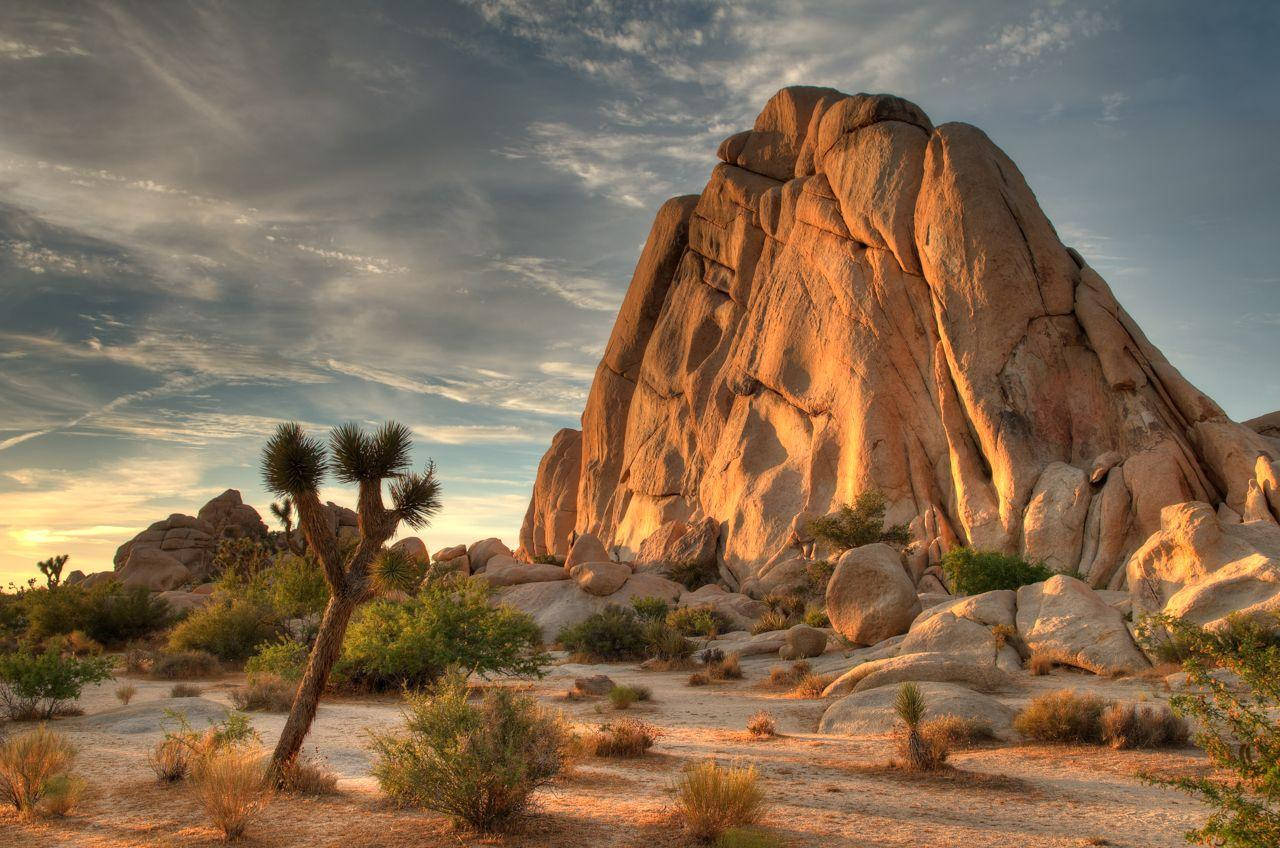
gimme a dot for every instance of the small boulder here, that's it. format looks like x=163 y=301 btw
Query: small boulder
x=599 y=578
x=446 y=554
x=1066 y=619
x=414 y=547
x=801 y=642
x=870 y=597
x=506 y=571
x=153 y=569
x=481 y=552
x=919 y=667
x=587 y=548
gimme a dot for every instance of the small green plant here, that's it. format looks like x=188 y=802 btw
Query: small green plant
x=547 y=559
x=711 y=799
x=702 y=620
x=665 y=643
x=184 y=690
x=650 y=608
x=771 y=620
x=971 y=572
x=694 y=574
x=614 y=633
x=860 y=523
x=230 y=628
x=1063 y=716
x=1236 y=728
x=622 y=697
x=40 y=685
x=479 y=764
x=817 y=575
x=285 y=659
x=815 y=615
x=919 y=753
x=182 y=749
x=35 y=774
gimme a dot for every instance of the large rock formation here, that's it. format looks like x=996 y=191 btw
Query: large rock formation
x=180 y=549
x=859 y=299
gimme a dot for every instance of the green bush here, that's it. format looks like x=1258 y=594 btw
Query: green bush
x=971 y=572
x=664 y=642
x=108 y=612
x=231 y=628
x=815 y=615
x=817 y=575
x=614 y=633
x=650 y=608
x=860 y=523
x=290 y=585
x=693 y=574
x=698 y=621
x=179 y=665
x=450 y=623
x=1237 y=728
x=38 y=685
x=284 y=659
x=479 y=765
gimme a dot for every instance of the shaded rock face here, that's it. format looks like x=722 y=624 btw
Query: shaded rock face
x=151 y=558
x=553 y=509
x=859 y=299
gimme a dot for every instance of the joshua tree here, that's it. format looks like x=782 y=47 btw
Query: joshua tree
x=52 y=569
x=283 y=511
x=294 y=465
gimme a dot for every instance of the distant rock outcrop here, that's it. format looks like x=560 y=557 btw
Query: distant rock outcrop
x=859 y=299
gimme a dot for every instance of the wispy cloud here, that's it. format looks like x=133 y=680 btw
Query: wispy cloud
x=1054 y=28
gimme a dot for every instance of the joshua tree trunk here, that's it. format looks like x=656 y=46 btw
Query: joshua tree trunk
x=333 y=626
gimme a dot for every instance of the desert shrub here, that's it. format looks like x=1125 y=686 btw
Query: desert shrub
x=650 y=608
x=859 y=523
x=971 y=572
x=108 y=613
x=698 y=621
x=781 y=675
x=285 y=659
x=125 y=693
x=181 y=750
x=230 y=628
x=184 y=690
x=614 y=633
x=729 y=668
x=952 y=731
x=918 y=751
x=1041 y=663
x=762 y=724
x=394 y=644
x=35 y=776
x=40 y=685
x=711 y=798
x=789 y=604
x=1236 y=728
x=622 y=697
x=185 y=664
x=626 y=737
x=1004 y=634
x=747 y=837
x=665 y=643
x=170 y=760
x=710 y=656
x=694 y=574
x=817 y=575
x=699 y=678
x=81 y=644
x=138 y=658
x=307 y=776
x=811 y=685
x=479 y=765
x=547 y=559
x=815 y=615
x=230 y=785
x=771 y=620
x=1136 y=726
x=1177 y=644
x=1062 y=716
x=265 y=693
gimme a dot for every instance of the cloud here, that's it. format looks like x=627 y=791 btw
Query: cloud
x=396 y=381
x=1046 y=31
x=581 y=290
x=1111 y=104
x=473 y=434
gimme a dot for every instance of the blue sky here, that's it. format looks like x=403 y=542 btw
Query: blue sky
x=215 y=216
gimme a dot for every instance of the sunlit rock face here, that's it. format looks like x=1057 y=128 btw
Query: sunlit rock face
x=859 y=299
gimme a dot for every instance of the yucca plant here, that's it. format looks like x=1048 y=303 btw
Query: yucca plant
x=909 y=705
x=294 y=465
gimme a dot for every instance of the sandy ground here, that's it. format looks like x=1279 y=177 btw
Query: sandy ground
x=823 y=790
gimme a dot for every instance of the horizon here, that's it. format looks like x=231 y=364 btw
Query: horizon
x=215 y=220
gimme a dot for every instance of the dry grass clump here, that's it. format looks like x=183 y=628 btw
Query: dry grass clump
x=625 y=738
x=783 y=676
x=1041 y=663
x=747 y=837
x=35 y=776
x=812 y=685
x=265 y=693
x=771 y=620
x=1063 y=716
x=699 y=678
x=125 y=693
x=711 y=799
x=1134 y=726
x=729 y=668
x=181 y=665
x=170 y=759
x=184 y=690
x=306 y=776
x=230 y=784
x=762 y=725
x=954 y=731
x=623 y=696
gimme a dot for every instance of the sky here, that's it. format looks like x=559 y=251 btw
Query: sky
x=218 y=216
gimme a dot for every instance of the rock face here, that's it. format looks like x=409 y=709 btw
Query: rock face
x=1067 y=620
x=859 y=299
x=186 y=541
